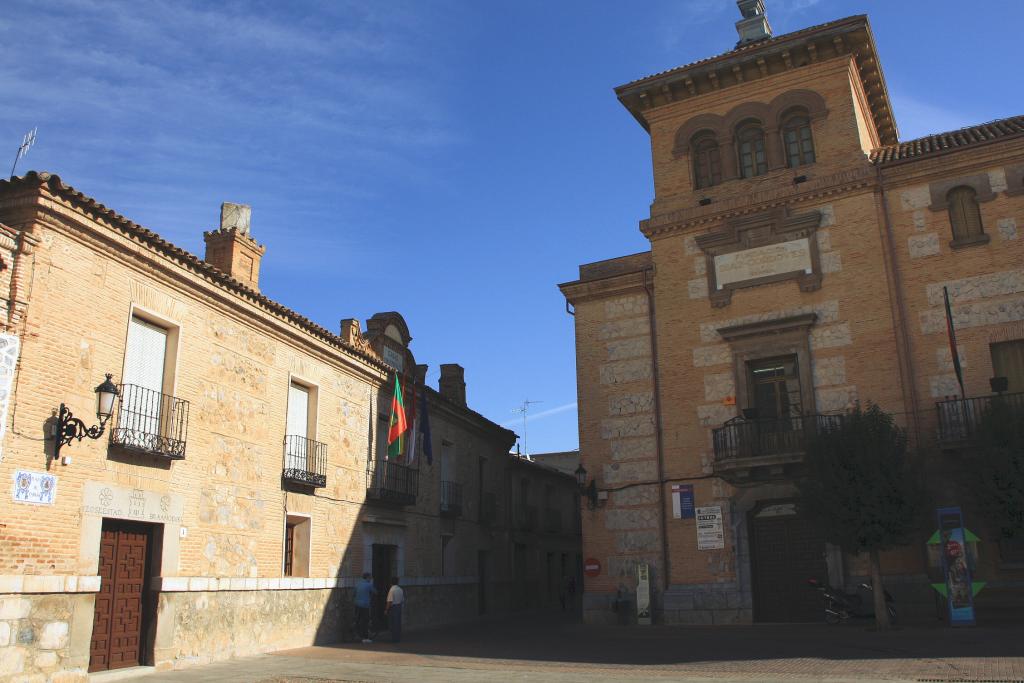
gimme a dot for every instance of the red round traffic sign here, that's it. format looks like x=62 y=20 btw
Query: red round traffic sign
x=591 y=567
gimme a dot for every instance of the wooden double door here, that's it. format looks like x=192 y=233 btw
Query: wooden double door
x=787 y=550
x=121 y=610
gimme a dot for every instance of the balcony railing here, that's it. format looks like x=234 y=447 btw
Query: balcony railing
x=390 y=482
x=526 y=518
x=488 y=509
x=305 y=461
x=150 y=422
x=961 y=419
x=451 y=499
x=763 y=438
x=553 y=521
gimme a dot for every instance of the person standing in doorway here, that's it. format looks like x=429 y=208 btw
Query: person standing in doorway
x=393 y=610
x=364 y=595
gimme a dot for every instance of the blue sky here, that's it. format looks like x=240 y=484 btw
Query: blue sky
x=450 y=160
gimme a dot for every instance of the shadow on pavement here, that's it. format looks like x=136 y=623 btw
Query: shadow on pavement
x=554 y=639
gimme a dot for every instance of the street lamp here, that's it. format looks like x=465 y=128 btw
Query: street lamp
x=69 y=427
x=589 y=490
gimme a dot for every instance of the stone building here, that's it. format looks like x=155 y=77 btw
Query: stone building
x=240 y=485
x=798 y=257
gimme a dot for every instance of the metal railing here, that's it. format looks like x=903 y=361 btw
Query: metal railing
x=526 y=517
x=305 y=461
x=451 y=498
x=759 y=438
x=552 y=521
x=390 y=482
x=961 y=419
x=488 y=508
x=150 y=421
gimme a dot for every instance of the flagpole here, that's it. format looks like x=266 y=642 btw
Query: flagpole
x=953 y=352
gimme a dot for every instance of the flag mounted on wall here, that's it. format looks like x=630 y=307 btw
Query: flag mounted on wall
x=424 y=420
x=397 y=426
x=953 y=352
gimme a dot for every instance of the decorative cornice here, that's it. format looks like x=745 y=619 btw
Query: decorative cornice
x=665 y=224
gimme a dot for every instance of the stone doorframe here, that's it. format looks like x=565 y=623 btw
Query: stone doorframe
x=770 y=339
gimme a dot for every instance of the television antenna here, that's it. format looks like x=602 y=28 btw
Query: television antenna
x=523 y=409
x=23 y=148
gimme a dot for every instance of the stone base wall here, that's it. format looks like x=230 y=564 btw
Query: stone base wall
x=708 y=603
x=202 y=627
x=45 y=637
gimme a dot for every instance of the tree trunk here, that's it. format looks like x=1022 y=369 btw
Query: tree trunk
x=878 y=591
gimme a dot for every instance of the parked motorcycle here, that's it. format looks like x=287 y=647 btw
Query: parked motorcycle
x=841 y=606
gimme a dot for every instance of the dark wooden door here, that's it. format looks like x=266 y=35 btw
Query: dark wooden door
x=787 y=551
x=117 y=621
x=385 y=567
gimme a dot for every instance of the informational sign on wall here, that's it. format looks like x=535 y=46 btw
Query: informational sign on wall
x=35 y=488
x=710 y=534
x=682 y=501
x=643 y=594
x=956 y=567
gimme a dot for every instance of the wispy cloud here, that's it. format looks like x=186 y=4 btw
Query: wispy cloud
x=918 y=117
x=542 y=414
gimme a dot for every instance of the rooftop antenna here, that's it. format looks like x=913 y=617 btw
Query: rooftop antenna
x=26 y=144
x=523 y=410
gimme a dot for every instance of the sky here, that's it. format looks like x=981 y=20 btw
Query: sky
x=451 y=160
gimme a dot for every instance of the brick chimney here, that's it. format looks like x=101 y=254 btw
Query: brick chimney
x=452 y=384
x=231 y=249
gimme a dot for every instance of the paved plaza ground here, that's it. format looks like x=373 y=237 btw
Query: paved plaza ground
x=545 y=649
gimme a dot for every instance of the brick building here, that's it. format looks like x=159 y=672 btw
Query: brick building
x=240 y=486
x=798 y=256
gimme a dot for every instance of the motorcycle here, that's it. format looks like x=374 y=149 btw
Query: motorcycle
x=841 y=606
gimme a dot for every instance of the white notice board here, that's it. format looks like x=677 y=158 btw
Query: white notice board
x=709 y=528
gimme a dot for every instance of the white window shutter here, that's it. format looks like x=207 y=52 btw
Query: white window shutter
x=144 y=355
x=298 y=411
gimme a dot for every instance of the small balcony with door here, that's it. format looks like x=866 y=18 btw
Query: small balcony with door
x=451 y=499
x=149 y=420
x=305 y=459
x=391 y=483
x=962 y=422
x=770 y=438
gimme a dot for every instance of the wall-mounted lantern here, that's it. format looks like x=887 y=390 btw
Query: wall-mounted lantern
x=588 y=490
x=69 y=427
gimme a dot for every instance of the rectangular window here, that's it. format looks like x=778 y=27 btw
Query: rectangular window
x=1008 y=362
x=446 y=558
x=300 y=427
x=297 y=533
x=775 y=388
x=145 y=370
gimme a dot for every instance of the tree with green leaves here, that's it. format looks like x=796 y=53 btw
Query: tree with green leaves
x=863 y=489
x=999 y=467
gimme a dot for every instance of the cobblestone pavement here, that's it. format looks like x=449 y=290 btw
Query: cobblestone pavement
x=565 y=652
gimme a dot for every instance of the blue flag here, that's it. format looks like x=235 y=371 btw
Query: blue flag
x=428 y=450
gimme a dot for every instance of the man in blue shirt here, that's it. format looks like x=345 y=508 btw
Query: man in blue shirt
x=364 y=593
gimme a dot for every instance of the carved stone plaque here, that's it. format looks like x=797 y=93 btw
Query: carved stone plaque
x=770 y=246
x=767 y=261
x=107 y=500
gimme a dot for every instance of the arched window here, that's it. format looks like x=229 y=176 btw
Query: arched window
x=707 y=165
x=964 y=214
x=750 y=142
x=796 y=136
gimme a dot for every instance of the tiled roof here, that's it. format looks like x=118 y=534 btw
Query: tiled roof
x=747 y=48
x=941 y=142
x=185 y=258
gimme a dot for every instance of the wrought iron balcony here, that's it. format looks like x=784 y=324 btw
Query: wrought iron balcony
x=553 y=521
x=526 y=518
x=488 y=509
x=150 y=422
x=962 y=419
x=390 y=482
x=741 y=445
x=451 y=499
x=305 y=461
